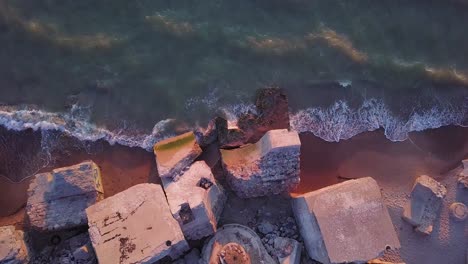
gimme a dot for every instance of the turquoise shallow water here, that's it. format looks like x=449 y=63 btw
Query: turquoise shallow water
x=114 y=69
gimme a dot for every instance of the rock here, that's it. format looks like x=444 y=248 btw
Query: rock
x=135 y=226
x=288 y=251
x=229 y=136
x=345 y=222
x=193 y=257
x=268 y=167
x=57 y=200
x=266 y=228
x=458 y=211
x=196 y=200
x=235 y=243
x=13 y=248
x=174 y=154
x=423 y=207
x=207 y=136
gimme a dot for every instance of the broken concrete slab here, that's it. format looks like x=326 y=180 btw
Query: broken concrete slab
x=423 y=207
x=57 y=200
x=288 y=251
x=135 y=226
x=345 y=222
x=235 y=243
x=173 y=155
x=270 y=166
x=13 y=248
x=196 y=200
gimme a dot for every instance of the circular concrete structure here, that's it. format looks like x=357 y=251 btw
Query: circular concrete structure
x=459 y=211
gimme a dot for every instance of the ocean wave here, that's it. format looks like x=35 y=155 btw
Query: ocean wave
x=340 y=121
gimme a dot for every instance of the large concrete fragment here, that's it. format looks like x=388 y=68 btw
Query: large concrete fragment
x=135 y=226
x=57 y=200
x=196 y=200
x=235 y=243
x=346 y=222
x=174 y=154
x=270 y=166
x=423 y=207
x=13 y=249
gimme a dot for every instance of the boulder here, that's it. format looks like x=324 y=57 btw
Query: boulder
x=13 y=249
x=57 y=200
x=235 y=243
x=174 y=155
x=423 y=207
x=135 y=226
x=270 y=166
x=345 y=222
x=196 y=200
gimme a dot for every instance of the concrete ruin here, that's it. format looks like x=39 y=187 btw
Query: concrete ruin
x=57 y=200
x=175 y=154
x=235 y=243
x=270 y=166
x=135 y=226
x=196 y=200
x=13 y=249
x=345 y=222
x=424 y=205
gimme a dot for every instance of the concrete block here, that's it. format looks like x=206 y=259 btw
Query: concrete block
x=175 y=154
x=423 y=207
x=196 y=200
x=13 y=249
x=57 y=200
x=270 y=166
x=345 y=222
x=135 y=226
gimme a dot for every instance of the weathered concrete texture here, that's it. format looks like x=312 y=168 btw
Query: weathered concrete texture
x=423 y=207
x=270 y=166
x=174 y=154
x=135 y=226
x=346 y=222
x=13 y=249
x=196 y=200
x=57 y=200
x=235 y=243
x=288 y=250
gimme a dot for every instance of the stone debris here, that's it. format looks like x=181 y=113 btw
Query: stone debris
x=57 y=200
x=423 y=207
x=270 y=166
x=175 y=154
x=13 y=248
x=345 y=222
x=135 y=226
x=235 y=243
x=458 y=211
x=196 y=200
x=288 y=251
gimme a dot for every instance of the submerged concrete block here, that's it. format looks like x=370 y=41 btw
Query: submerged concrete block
x=13 y=249
x=270 y=166
x=174 y=154
x=57 y=200
x=135 y=226
x=423 y=207
x=345 y=222
x=196 y=200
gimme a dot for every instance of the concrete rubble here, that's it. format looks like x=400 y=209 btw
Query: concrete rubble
x=135 y=226
x=57 y=200
x=175 y=154
x=288 y=251
x=235 y=243
x=345 y=222
x=423 y=207
x=270 y=166
x=196 y=200
x=13 y=248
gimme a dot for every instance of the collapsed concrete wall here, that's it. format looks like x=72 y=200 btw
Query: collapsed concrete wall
x=345 y=222
x=268 y=167
x=135 y=226
x=57 y=200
